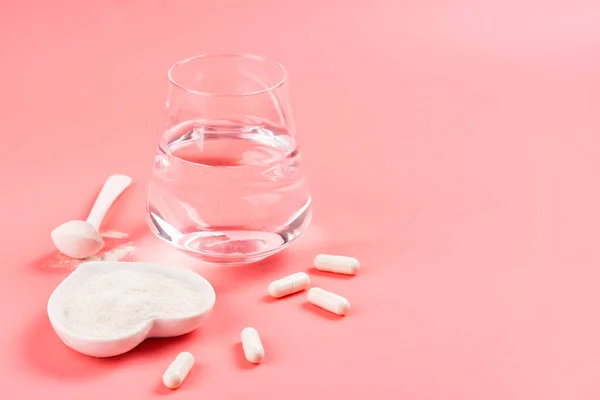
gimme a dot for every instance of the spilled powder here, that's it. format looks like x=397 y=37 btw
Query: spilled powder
x=114 y=250
x=116 y=254
x=114 y=235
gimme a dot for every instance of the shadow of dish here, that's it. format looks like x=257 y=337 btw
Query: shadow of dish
x=46 y=353
x=153 y=348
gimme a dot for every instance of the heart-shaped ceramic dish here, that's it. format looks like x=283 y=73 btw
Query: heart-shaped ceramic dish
x=157 y=327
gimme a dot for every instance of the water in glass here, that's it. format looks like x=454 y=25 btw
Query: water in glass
x=228 y=189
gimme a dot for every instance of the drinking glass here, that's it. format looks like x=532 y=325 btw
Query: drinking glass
x=227 y=183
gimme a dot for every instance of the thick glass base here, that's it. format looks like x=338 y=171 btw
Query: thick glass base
x=231 y=247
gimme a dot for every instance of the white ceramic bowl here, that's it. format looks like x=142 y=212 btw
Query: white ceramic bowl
x=158 y=327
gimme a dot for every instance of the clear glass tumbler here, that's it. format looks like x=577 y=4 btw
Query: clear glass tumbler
x=227 y=183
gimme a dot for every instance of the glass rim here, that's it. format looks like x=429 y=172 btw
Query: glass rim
x=280 y=81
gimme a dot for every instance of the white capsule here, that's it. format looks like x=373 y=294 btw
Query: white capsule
x=178 y=370
x=253 y=348
x=336 y=264
x=289 y=284
x=329 y=301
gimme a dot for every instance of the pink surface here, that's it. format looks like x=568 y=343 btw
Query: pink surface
x=452 y=147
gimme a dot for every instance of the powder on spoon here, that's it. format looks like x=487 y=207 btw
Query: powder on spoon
x=116 y=303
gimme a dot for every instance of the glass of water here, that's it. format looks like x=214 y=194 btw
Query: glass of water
x=227 y=183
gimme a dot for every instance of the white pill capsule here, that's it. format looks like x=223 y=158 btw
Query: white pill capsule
x=178 y=370
x=253 y=348
x=337 y=264
x=289 y=284
x=329 y=301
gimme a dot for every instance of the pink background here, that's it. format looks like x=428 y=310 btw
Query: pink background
x=452 y=146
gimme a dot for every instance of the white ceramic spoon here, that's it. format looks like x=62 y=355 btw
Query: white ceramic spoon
x=81 y=239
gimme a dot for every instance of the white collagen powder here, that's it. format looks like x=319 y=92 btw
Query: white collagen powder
x=117 y=303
